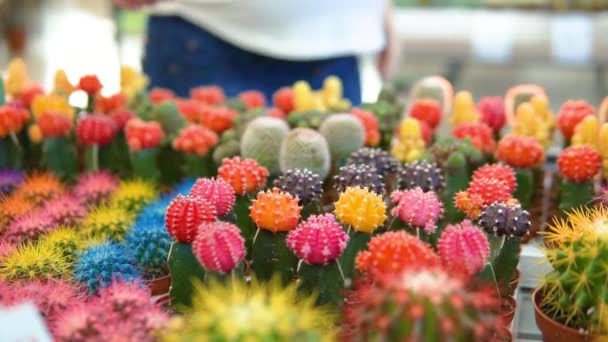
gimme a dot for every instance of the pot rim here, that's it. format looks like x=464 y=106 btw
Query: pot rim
x=537 y=310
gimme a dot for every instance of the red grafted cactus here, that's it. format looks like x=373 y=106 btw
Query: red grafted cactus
x=12 y=119
x=418 y=208
x=216 y=191
x=244 y=175
x=428 y=111
x=463 y=248
x=160 y=95
x=275 y=210
x=319 y=240
x=479 y=133
x=253 y=99
x=394 y=252
x=96 y=129
x=498 y=171
x=492 y=110
x=185 y=214
x=519 y=151
x=579 y=163
x=143 y=135
x=491 y=190
x=219 y=246
x=90 y=84
x=54 y=124
x=571 y=114
x=370 y=125
x=211 y=95
x=283 y=100
x=121 y=117
x=190 y=109
x=195 y=139
x=217 y=119
x=108 y=104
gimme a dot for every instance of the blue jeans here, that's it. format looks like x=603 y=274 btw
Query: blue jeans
x=180 y=55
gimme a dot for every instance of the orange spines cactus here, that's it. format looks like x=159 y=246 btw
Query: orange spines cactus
x=479 y=133
x=217 y=119
x=211 y=95
x=571 y=114
x=491 y=190
x=13 y=206
x=40 y=187
x=12 y=119
x=579 y=163
x=54 y=125
x=185 y=214
x=394 y=252
x=361 y=208
x=499 y=171
x=275 y=210
x=464 y=109
x=463 y=248
x=521 y=152
x=195 y=139
x=469 y=204
x=143 y=135
x=427 y=110
x=244 y=175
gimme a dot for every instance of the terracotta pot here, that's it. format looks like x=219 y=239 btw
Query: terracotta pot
x=503 y=335
x=552 y=330
x=514 y=281
x=164 y=300
x=159 y=286
x=507 y=310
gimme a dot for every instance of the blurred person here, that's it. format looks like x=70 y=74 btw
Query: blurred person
x=265 y=44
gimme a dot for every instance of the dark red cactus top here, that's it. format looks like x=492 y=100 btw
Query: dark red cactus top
x=96 y=129
x=143 y=135
x=185 y=214
x=579 y=163
x=90 y=84
x=54 y=124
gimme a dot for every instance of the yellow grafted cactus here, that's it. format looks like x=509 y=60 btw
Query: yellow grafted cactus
x=52 y=103
x=17 y=77
x=302 y=97
x=361 y=208
x=464 y=109
x=529 y=124
x=602 y=147
x=332 y=95
x=62 y=85
x=410 y=144
x=131 y=81
x=328 y=98
x=542 y=110
x=587 y=132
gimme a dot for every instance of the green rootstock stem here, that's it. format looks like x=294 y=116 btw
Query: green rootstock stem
x=502 y=265
x=525 y=186
x=325 y=281
x=91 y=103
x=574 y=195
x=92 y=158
x=59 y=155
x=224 y=278
x=358 y=242
x=169 y=159
x=145 y=164
x=115 y=156
x=270 y=255
x=185 y=270
x=457 y=180
x=243 y=220
x=196 y=166
x=11 y=153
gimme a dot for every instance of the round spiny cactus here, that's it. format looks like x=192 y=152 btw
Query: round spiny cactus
x=150 y=245
x=427 y=176
x=38 y=188
x=319 y=240
x=361 y=208
x=65 y=240
x=464 y=248
x=99 y=265
x=108 y=222
x=303 y=184
x=505 y=219
x=498 y=171
x=304 y=148
x=262 y=141
x=417 y=208
x=50 y=297
x=185 y=214
x=365 y=176
x=244 y=175
x=65 y=210
x=95 y=187
x=275 y=211
x=490 y=190
x=381 y=160
x=11 y=207
x=344 y=134
x=217 y=191
x=579 y=164
x=219 y=246
x=29 y=226
x=132 y=195
x=34 y=261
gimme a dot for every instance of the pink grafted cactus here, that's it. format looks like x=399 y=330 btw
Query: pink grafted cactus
x=217 y=191
x=418 y=208
x=464 y=248
x=319 y=240
x=185 y=214
x=219 y=246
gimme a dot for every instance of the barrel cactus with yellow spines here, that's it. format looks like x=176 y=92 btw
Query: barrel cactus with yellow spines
x=34 y=261
x=133 y=194
x=108 y=222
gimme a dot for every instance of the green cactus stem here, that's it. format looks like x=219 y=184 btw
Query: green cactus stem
x=243 y=221
x=327 y=281
x=196 y=166
x=90 y=103
x=11 y=152
x=574 y=195
x=145 y=164
x=59 y=156
x=2 y=92
x=115 y=156
x=92 y=158
x=457 y=179
x=503 y=262
x=185 y=270
x=270 y=255
x=525 y=186
x=235 y=275
x=170 y=174
x=357 y=242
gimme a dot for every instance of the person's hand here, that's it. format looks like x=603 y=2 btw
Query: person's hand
x=388 y=58
x=132 y=4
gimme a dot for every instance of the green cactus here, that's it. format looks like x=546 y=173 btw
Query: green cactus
x=185 y=269
x=311 y=119
x=59 y=156
x=169 y=117
x=304 y=148
x=228 y=149
x=240 y=122
x=525 y=186
x=344 y=134
x=262 y=141
x=576 y=288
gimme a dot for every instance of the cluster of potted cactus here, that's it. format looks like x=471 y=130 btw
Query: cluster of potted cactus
x=302 y=218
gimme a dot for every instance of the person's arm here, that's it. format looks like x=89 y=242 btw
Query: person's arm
x=388 y=59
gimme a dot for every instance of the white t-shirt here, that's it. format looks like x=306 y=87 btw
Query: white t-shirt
x=288 y=29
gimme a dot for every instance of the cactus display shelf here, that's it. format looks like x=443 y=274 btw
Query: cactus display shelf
x=149 y=216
